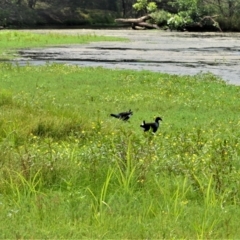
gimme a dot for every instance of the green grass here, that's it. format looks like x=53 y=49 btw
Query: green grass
x=69 y=170
x=11 y=41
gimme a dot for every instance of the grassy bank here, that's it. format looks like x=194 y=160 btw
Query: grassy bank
x=69 y=170
x=11 y=41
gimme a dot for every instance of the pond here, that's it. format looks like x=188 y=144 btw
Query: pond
x=170 y=52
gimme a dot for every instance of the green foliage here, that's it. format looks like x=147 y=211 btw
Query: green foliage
x=232 y=23
x=225 y=9
x=161 y=17
x=101 y=18
x=72 y=171
x=188 y=12
x=186 y=5
x=140 y=5
x=10 y=15
x=173 y=21
x=145 y=5
x=151 y=7
x=225 y=13
x=103 y=12
x=179 y=21
x=22 y=14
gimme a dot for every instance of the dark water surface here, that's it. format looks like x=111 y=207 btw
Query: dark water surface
x=169 y=52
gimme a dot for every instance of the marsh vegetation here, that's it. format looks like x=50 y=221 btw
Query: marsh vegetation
x=69 y=170
x=13 y=41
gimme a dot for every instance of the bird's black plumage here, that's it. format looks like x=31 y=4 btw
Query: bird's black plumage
x=154 y=125
x=123 y=115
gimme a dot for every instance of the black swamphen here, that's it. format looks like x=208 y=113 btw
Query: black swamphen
x=154 y=125
x=123 y=115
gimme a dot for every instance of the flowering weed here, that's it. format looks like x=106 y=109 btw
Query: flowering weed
x=73 y=171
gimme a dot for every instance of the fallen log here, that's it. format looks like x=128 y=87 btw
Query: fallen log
x=204 y=23
x=133 y=20
x=144 y=25
x=138 y=23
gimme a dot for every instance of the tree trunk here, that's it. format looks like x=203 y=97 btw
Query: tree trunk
x=124 y=8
